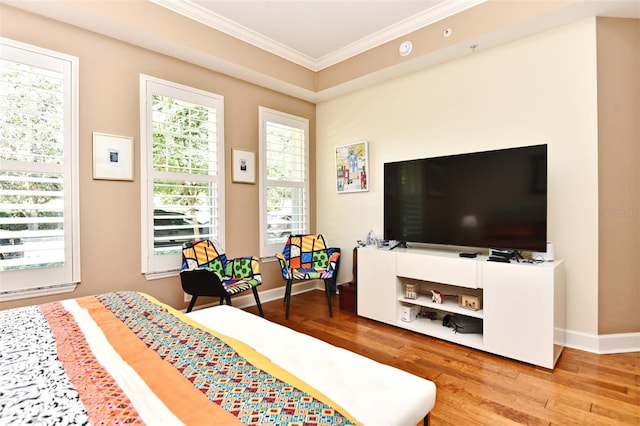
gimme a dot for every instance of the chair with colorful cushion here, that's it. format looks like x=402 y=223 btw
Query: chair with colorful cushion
x=206 y=271
x=307 y=257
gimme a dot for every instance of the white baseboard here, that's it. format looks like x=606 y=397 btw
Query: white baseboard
x=604 y=343
x=274 y=294
x=247 y=299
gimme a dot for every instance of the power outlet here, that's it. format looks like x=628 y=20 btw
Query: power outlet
x=187 y=297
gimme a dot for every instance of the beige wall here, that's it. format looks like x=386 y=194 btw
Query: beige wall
x=109 y=103
x=541 y=89
x=619 y=176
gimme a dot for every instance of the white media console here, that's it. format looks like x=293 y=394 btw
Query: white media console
x=522 y=303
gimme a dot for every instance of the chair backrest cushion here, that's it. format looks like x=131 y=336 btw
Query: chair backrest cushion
x=203 y=254
x=243 y=267
x=306 y=251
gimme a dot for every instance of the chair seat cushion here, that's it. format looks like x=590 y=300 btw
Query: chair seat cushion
x=309 y=274
x=234 y=286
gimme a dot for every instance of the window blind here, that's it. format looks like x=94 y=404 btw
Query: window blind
x=284 y=207
x=184 y=169
x=38 y=238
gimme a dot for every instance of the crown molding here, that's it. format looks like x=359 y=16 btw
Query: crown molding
x=199 y=14
x=402 y=28
x=69 y=13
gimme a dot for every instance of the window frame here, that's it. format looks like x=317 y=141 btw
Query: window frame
x=43 y=281
x=265 y=115
x=161 y=266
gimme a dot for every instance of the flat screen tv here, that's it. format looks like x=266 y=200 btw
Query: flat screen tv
x=489 y=199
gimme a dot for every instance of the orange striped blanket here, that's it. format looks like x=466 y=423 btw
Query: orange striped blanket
x=126 y=358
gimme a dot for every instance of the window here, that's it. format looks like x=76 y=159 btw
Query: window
x=284 y=183
x=39 y=240
x=182 y=164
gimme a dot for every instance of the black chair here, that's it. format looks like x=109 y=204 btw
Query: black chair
x=206 y=271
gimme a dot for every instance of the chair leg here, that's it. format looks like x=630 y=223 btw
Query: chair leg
x=192 y=303
x=287 y=297
x=327 y=290
x=255 y=295
x=221 y=302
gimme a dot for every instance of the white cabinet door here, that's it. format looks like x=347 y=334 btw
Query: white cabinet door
x=377 y=287
x=446 y=268
x=519 y=314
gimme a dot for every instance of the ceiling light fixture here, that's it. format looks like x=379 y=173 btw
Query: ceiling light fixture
x=405 y=48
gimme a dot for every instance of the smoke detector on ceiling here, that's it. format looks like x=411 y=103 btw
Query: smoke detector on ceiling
x=405 y=48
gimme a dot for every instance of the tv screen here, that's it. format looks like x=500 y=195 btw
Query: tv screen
x=490 y=199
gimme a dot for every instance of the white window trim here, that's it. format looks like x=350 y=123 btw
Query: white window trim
x=146 y=199
x=268 y=251
x=72 y=178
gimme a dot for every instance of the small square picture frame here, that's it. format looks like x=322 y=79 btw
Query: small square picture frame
x=243 y=166
x=112 y=157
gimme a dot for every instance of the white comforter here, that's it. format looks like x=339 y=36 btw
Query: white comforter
x=374 y=393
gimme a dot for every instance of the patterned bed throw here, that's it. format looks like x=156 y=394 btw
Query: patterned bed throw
x=125 y=358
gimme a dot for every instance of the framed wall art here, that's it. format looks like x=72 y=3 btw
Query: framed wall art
x=352 y=167
x=112 y=157
x=244 y=167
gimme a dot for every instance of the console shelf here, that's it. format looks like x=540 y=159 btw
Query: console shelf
x=434 y=328
x=447 y=306
x=523 y=303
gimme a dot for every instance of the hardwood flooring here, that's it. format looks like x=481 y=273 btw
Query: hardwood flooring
x=477 y=388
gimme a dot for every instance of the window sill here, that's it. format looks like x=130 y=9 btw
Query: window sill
x=36 y=292
x=150 y=276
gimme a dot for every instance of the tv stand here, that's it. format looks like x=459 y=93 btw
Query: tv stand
x=522 y=303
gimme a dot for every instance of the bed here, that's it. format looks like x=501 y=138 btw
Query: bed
x=124 y=357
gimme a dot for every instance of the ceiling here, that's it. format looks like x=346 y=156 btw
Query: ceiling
x=317 y=33
x=321 y=35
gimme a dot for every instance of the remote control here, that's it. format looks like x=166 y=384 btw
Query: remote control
x=468 y=254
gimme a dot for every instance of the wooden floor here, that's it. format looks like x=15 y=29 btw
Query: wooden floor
x=477 y=388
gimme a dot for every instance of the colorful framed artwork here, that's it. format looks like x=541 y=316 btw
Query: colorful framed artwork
x=352 y=167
